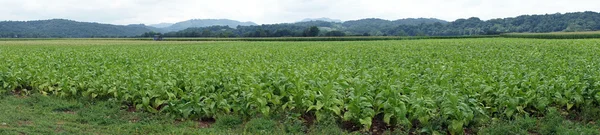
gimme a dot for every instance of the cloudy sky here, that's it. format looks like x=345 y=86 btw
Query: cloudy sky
x=278 y=11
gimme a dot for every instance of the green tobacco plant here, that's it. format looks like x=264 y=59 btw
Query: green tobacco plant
x=428 y=85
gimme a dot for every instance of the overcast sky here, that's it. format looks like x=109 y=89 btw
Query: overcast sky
x=278 y=11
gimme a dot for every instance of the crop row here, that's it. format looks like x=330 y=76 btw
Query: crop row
x=557 y=35
x=433 y=84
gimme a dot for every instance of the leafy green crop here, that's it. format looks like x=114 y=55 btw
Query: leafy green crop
x=555 y=35
x=452 y=83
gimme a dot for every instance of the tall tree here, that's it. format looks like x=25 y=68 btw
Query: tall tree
x=312 y=31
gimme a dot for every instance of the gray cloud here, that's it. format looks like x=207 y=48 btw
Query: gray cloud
x=278 y=11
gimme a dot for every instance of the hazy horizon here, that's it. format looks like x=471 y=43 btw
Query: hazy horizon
x=123 y=12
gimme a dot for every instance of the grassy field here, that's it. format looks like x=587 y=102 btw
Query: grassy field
x=555 y=35
x=433 y=86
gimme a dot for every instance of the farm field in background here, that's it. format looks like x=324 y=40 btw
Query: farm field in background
x=421 y=86
x=343 y=38
x=555 y=35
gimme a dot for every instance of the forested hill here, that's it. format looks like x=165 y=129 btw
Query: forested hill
x=326 y=28
x=67 y=29
x=578 y=21
x=205 y=23
x=374 y=26
x=568 y=22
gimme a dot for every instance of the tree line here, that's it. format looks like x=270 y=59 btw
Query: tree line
x=569 y=22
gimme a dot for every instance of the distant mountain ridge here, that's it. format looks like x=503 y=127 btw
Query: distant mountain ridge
x=205 y=23
x=567 y=22
x=161 y=25
x=63 y=28
x=406 y=21
x=196 y=23
x=325 y=19
x=68 y=29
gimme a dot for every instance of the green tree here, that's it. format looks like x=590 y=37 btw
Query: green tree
x=402 y=33
x=206 y=33
x=312 y=31
x=148 y=34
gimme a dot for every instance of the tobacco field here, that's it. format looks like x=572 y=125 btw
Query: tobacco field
x=449 y=83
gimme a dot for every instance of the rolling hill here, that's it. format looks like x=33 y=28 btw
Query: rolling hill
x=68 y=29
x=205 y=23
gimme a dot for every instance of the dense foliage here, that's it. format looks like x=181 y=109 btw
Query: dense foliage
x=299 y=29
x=568 y=22
x=59 y=28
x=433 y=84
